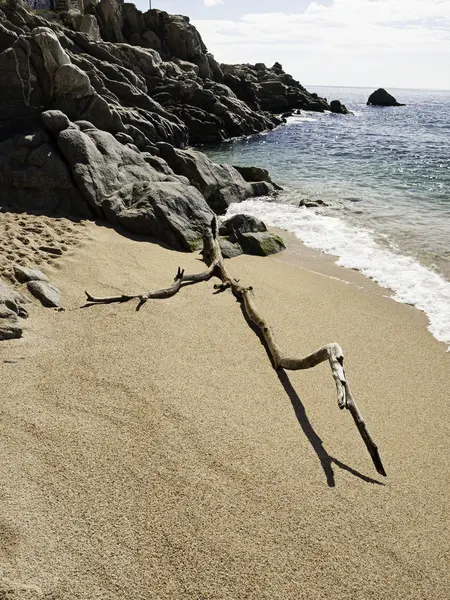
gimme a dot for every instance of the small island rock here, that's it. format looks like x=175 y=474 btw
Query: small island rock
x=382 y=98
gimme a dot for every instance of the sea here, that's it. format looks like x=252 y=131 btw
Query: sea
x=384 y=176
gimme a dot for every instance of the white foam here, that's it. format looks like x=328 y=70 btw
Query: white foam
x=300 y=119
x=411 y=282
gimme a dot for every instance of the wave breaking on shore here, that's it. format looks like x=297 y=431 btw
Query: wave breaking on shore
x=411 y=282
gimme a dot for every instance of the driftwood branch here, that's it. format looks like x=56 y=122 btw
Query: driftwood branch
x=332 y=352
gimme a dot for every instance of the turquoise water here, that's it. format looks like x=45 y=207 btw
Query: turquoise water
x=384 y=174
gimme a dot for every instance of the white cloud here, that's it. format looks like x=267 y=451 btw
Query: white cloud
x=347 y=31
x=209 y=3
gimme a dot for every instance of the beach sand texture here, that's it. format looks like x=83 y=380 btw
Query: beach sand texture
x=34 y=239
x=157 y=454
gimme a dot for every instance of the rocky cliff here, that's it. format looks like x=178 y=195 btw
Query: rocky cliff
x=97 y=110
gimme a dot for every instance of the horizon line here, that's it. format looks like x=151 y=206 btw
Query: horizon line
x=369 y=87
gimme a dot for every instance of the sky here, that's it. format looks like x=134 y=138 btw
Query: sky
x=367 y=43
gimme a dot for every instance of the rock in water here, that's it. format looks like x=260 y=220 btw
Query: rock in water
x=256 y=174
x=382 y=98
x=338 y=108
x=46 y=293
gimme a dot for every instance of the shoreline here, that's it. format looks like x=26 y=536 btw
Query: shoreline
x=324 y=264
x=67 y=235
x=157 y=454
x=406 y=279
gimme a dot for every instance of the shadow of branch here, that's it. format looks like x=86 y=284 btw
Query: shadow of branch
x=326 y=460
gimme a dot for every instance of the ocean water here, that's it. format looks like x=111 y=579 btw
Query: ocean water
x=384 y=174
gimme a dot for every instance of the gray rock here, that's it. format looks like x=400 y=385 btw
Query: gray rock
x=46 y=293
x=10 y=326
x=72 y=81
x=308 y=203
x=228 y=248
x=101 y=165
x=220 y=184
x=90 y=27
x=262 y=188
x=169 y=211
x=243 y=224
x=55 y=121
x=109 y=15
x=124 y=138
x=7 y=37
x=35 y=178
x=51 y=250
x=260 y=244
x=11 y=308
x=25 y=274
x=252 y=174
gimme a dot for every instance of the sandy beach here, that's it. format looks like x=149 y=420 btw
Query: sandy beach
x=157 y=455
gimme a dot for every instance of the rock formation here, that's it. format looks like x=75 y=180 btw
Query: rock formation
x=381 y=97
x=97 y=110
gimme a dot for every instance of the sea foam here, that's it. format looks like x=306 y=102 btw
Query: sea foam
x=411 y=282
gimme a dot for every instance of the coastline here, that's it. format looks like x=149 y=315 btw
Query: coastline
x=323 y=264
x=157 y=454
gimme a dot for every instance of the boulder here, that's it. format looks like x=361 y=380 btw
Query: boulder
x=172 y=212
x=262 y=188
x=228 y=248
x=25 y=274
x=11 y=308
x=100 y=165
x=89 y=26
x=382 y=98
x=260 y=243
x=110 y=20
x=337 y=107
x=250 y=235
x=34 y=177
x=221 y=185
x=10 y=326
x=55 y=121
x=48 y=295
x=256 y=174
x=309 y=203
x=241 y=223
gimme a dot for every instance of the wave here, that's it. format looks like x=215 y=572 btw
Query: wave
x=411 y=282
x=301 y=119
